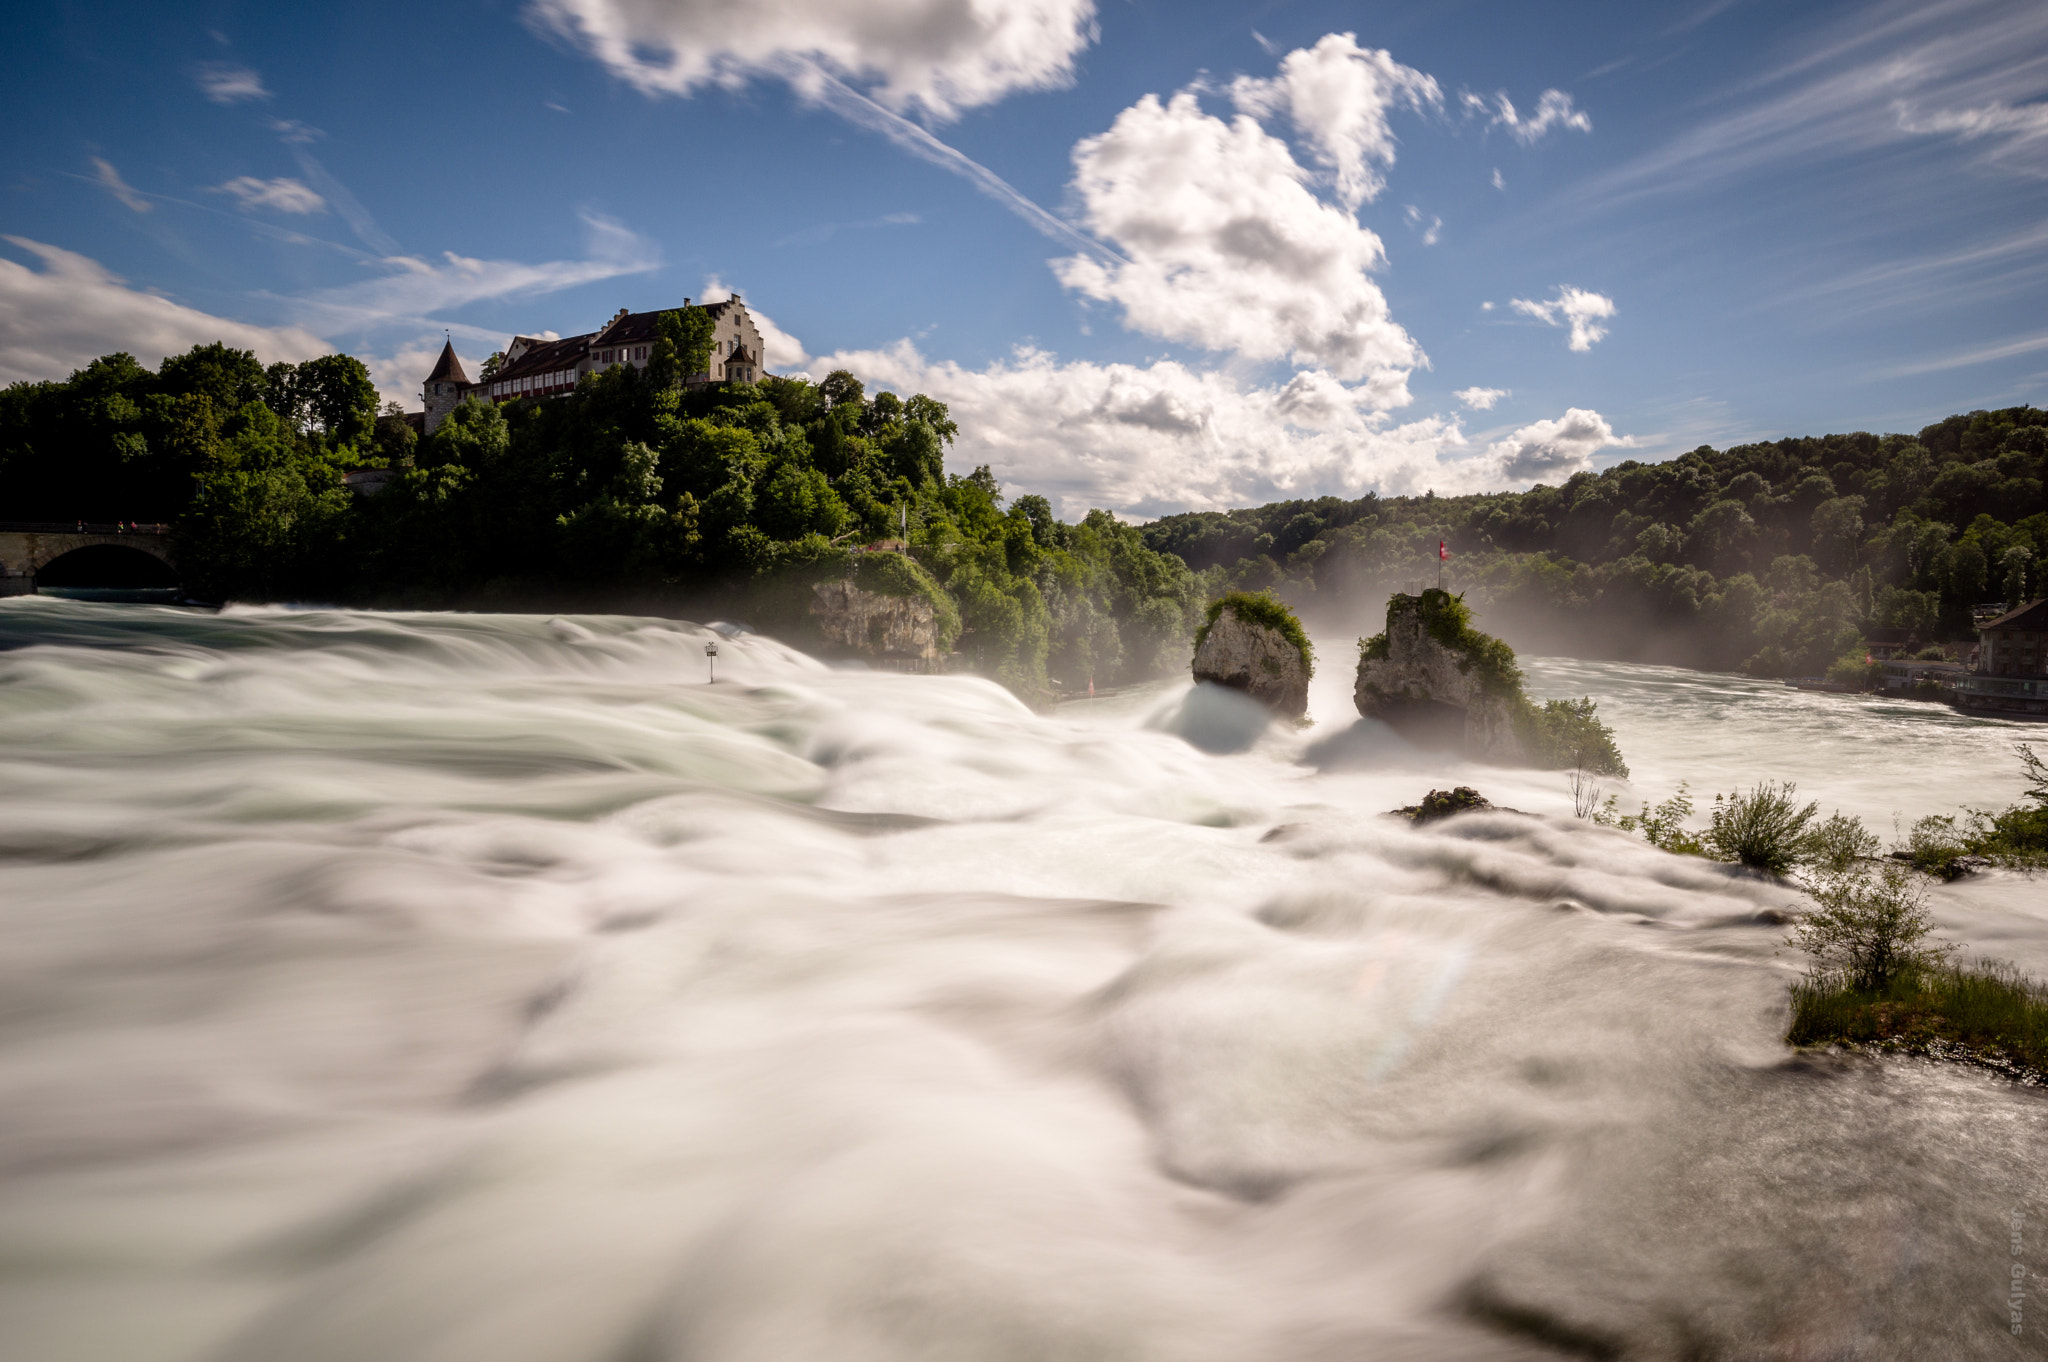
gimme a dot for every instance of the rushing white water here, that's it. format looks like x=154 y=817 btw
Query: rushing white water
x=491 y=987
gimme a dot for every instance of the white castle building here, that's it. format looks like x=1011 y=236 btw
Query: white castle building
x=536 y=367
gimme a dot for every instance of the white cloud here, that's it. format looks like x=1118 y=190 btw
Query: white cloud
x=227 y=83
x=110 y=179
x=1226 y=247
x=284 y=195
x=73 y=310
x=413 y=289
x=940 y=56
x=1481 y=399
x=1553 y=110
x=1163 y=437
x=1498 y=182
x=1548 y=451
x=2024 y=123
x=1486 y=307
x=1338 y=94
x=1579 y=308
x=1852 y=89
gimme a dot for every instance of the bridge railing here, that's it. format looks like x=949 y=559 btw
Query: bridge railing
x=81 y=527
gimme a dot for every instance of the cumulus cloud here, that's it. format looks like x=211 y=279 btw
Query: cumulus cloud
x=227 y=83
x=1225 y=247
x=1157 y=438
x=938 y=56
x=1548 y=451
x=1553 y=110
x=1481 y=399
x=73 y=310
x=110 y=179
x=1578 y=308
x=1338 y=94
x=283 y=195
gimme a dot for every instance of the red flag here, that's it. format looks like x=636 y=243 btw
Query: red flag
x=1442 y=552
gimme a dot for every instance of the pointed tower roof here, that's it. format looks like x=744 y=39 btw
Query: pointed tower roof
x=448 y=369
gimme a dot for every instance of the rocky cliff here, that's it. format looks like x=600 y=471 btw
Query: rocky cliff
x=1252 y=644
x=1436 y=679
x=899 y=632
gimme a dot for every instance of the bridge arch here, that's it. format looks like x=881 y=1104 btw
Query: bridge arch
x=27 y=550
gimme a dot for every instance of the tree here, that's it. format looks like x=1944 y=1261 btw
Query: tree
x=339 y=398
x=1870 y=928
x=841 y=389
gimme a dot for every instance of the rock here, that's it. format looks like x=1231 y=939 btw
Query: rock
x=1443 y=803
x=1439 y=695
x=896 y=632
x=1255 y=658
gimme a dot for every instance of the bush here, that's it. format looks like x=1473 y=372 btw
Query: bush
x=1936 y=844
x=1839 y=845
x=1869 y=929
x=1764 y=829
x=1263 y=609
x=1662 y=825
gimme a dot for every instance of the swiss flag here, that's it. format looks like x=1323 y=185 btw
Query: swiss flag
x=1442 y=552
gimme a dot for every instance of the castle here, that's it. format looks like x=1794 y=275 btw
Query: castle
x=536 y=367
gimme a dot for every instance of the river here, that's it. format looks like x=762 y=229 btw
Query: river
x=466 y=987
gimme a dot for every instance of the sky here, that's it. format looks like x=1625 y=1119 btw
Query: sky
x=1157 y=255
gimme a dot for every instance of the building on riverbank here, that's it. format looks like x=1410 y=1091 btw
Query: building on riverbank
x=542 y=366
x=2012 y=669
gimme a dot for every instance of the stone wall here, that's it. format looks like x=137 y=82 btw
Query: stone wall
x=899 y=632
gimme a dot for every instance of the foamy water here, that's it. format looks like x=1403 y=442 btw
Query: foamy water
x=491 y=987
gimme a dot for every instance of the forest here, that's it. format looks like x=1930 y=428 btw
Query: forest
x=637 y=492
x=640 y=491
x=1774 y=558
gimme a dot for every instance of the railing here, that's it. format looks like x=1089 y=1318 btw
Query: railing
x=81 y=527
x=2004 y=685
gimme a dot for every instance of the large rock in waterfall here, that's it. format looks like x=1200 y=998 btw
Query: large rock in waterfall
x=888 y=611
x=1253 y=643
x=1436 y=679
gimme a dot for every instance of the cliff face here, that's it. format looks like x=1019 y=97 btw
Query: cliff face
x=892 y=631
x=1260 y=661
x=1436 y=693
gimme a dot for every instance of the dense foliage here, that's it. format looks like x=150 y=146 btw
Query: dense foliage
x=638 y=489
x=1771 y=557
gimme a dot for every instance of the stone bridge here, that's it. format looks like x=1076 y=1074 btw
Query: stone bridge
x=27 y=547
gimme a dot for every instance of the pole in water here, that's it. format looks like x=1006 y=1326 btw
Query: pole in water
x=711 y=659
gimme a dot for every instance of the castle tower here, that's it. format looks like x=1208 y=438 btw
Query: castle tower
x=445 y=388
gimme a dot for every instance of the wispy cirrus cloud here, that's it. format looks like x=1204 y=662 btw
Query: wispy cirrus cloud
x=281 y=195
x=1893 y=72
x=228 y=82
x=414 y=290
x=124 y=193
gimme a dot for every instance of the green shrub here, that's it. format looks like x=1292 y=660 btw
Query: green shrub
x=1869 y=928
x=1264 y=609
x=1764 y=829
x=1936 y=844
x=1662 y=825
x=1839 y=845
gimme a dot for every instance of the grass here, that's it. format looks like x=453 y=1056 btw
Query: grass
x=1988 y=1014
x=1261 y=608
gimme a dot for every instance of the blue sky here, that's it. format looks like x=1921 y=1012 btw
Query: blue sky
x=1156 y=256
